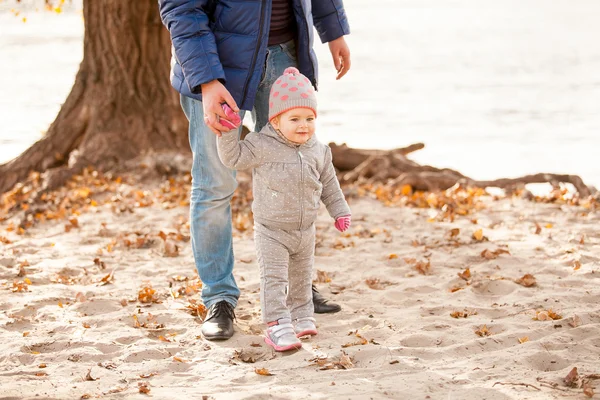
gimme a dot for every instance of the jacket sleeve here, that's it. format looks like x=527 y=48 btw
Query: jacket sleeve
x=330 y=19
x=193 y=42
x=332 y=195
x=240 y=154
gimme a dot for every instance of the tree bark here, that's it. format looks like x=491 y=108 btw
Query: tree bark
x=121 y=106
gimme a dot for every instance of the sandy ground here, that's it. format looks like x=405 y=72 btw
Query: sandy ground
x=68 y=328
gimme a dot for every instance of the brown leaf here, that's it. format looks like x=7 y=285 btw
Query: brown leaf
x=572 y=378
x=163 y=339
x=150 y=375
x=88 y=377
x=107 y=279
x=483 y=331
x=143 y=387
x=423 y=267
x=588 y=390
x=538 y=229
x=392 y=256
x=322 y=277
x=361 y=342
x=262 y=371
x=524 y=339
x=453 y=232
x=147 y=295
x=80 y=297
x=179 y=359
x=136 y=322
x=42 y=366
x=466 y=274
x=86 y=325
x=462 y=314
x=526 y=280
x=171 y=249
x=376 y=284
x=345 y=361
x=576 y=265
x=25 y=334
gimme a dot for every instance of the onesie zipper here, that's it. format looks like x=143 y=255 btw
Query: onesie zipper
x=301 y=191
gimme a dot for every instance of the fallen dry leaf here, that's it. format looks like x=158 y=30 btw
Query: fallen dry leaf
x=453 y=232
x=524 y=339
x=492 y=255
x=322 y=277
x=546 y=315
x=483 y=331
x=42 y=366
x=136 y=322
x=466 y=274
x=361 y=342
x=538 y=229
x=423 y=267
x=80 y=297
x=572 y=378
x=392 y=256
x=179 y=359
x=262 y=371
x=345 y=361
x=462 y=314
x=526 y=280
x=147 y=295
x=576 y=265
x=588 y=390
x=376 y=284
x=88 y=376
x=478 y=235
x=143 y=387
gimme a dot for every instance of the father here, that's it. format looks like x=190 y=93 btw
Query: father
x=231 y=51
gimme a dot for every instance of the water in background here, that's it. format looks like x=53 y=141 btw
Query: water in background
x=493 y=88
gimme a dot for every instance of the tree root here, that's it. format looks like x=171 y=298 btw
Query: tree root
x=393 y=168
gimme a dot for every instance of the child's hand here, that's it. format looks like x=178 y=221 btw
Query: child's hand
x=233 y=120
x=342 y=223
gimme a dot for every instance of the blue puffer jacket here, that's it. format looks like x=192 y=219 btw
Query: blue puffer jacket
x=227 y=40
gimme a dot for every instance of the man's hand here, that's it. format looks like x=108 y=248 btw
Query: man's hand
x=213 y=95
x=341 y=56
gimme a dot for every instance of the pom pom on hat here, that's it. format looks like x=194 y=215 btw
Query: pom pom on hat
x=291 y=71
x=291 y=90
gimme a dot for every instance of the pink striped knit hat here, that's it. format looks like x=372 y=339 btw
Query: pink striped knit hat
x=291 y=90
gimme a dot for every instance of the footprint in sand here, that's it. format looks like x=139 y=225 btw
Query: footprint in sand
x=544 y=361
x=494 y=288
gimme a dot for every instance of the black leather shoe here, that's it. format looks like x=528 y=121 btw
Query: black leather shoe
x=322 y=306
x=218 y=324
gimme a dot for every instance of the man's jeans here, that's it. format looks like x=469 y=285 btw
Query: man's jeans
x=213 y=185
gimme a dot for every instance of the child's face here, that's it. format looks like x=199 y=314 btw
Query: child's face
x=297 y=125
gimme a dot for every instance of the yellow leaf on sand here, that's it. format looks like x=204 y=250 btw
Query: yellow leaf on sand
x=523 y=339
x=262 y=371
x=478 y=235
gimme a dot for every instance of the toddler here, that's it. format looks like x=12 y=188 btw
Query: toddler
x=292 y=172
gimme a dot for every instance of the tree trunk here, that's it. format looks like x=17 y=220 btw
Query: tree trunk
x=121 y=105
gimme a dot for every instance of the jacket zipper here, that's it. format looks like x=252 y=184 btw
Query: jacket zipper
x=301 y=192
x=260 y=29
x=308 y=38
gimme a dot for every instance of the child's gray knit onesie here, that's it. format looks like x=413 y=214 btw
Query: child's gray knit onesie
x=289 y=181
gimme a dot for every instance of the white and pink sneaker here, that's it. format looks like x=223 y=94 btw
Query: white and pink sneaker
x=282 y=337
x=305 y=326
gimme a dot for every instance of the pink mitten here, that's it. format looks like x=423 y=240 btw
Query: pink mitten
x=233 y=119
x=342 y=223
